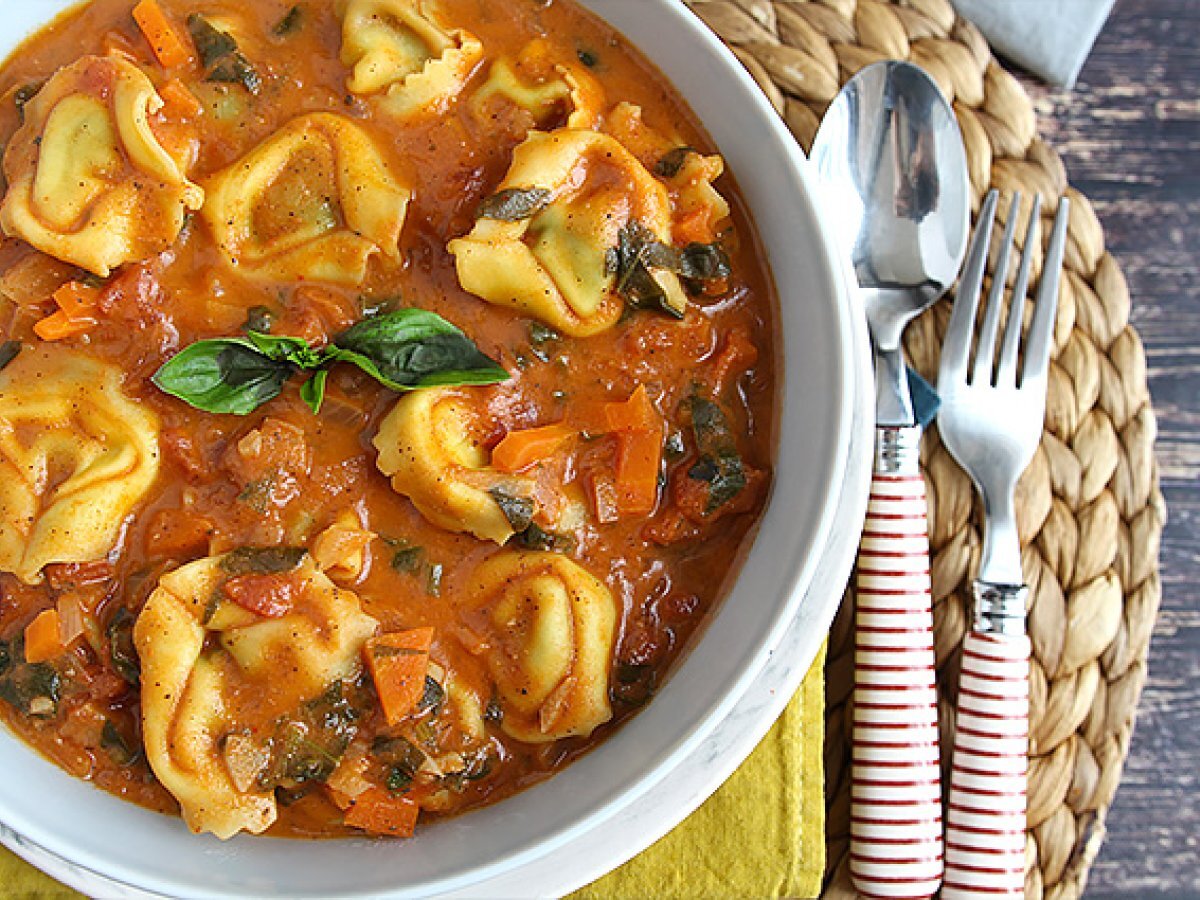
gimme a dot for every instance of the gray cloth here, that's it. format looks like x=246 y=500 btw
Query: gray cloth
x=1050 y=38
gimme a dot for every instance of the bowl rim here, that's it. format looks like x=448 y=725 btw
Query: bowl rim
x=30 y=833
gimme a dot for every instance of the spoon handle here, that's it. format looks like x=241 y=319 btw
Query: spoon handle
x=896 y=811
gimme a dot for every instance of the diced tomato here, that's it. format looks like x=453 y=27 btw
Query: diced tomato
x=270 y=596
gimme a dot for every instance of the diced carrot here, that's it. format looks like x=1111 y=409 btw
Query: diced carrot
x=270 y=596
x=77 y=300
x=58 y=326
x=169 y=48
x=42 y=641
x=635 y=414
x=521 y=449
x=694 y=227
x=604 y=498
x=381 y=812
x=399 y=663
x=180 y=100
x=639 y=463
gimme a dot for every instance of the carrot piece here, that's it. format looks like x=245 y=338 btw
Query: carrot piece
x=42 y=640
x=635 y=414
x=164 y=40
x=520 y=449
x=381 y=812
x=58 y=325
x=177 y=96
x=77 y=300
x=399 y=663
x=694 y=227
x=639 y=463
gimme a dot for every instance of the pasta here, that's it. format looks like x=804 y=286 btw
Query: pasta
x=76 y=457
x=314 y=201
x=543 y=87
x=89 y=181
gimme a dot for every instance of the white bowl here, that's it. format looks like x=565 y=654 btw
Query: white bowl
x=99 y=843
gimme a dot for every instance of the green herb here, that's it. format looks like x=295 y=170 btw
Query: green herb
x=701 y=263
x=588 y=58
x=223 y=62
x=308 y=746
x=260 y=319
x=262 y=560
x=514 y=204
x=402 y=350
x=432 y=697
x=114 y=742
x=32 y=689
x=290 y=23
x=24 y=94
x=637 y=254
x=398 y=779
x=225 y=375
x=403 y=759
x=433 y=584
x=535 y=538
x=720 y=465
x=407 y=558
x=8 y=352
x=672 y=162
x=122 y=652
x=479 y=766
x=518 y=510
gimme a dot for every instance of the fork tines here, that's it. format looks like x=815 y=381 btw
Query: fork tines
x=956 y=350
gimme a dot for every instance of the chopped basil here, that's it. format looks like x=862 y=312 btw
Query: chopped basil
x=219 y=55
x=32 y=689
x=262 y=560
x=308 y=746
x=118 y=747
x=720 y=465
x=637 y=254
x=407 y=558
x=700 y=263
x=432 y=697
x=290 y=23
x=670 y=164
x=8 y=352
x=536 y=538
x=514 y=204
x=518 y=510
x=122 y=652
x=402 y=350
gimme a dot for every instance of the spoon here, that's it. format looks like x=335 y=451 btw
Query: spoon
x=894 y=175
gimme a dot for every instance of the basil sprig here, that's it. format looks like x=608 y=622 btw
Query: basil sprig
x=402 y=350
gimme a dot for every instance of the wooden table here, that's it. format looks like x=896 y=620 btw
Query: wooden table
x=1130 y=135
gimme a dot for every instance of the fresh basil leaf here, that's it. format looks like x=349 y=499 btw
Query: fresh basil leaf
x=672 y=162
x=514 y=204
x=236 y=69
x=225 y=375
x=518 y=510
x=413 y=348
x=211 y=43
x=312 y=391
x=262 y=560
x=703 y=262
x=407 y=558
x=281 y=347
x=8 y=352
x=636 y=253
x=720 y=465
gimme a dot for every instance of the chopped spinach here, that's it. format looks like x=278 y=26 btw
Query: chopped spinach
x=513 y=204
x=720 y=465
x=262 y=560
x=536 y=538
x=407 y=558
x=518 y=510
x=308 y=746
x=32 y=689
x=402 y=758
x=219 y=55
x=117 y=745
x=122 y=653
x=637 y=254
x=433 y=696
x=672 y=162
x=478 y=767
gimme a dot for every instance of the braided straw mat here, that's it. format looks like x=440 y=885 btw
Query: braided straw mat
x=1089 y=508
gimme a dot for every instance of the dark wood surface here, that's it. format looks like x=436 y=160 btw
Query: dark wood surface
x=1130 y=135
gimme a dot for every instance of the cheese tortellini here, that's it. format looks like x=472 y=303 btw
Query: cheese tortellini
x=544 y=87
x=88 y=180
x=315 y=201
x=556 y=264
x=397 y=49
x=430 y=446
x=76 y=456
x=547 y=629
x=212 y=669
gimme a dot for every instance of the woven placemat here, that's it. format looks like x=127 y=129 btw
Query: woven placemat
x=1089 y=508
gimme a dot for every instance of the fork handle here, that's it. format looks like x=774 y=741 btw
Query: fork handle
x=896 y=810
x=985 y=832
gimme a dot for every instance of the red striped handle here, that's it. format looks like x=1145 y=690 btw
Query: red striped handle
x=985 y=831
x=896 y=811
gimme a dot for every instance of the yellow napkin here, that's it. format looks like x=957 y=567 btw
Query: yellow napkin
x=761 y=835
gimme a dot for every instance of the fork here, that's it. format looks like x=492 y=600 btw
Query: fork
x=991 y=421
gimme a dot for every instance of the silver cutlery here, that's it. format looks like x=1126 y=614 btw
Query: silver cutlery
x=991 y=420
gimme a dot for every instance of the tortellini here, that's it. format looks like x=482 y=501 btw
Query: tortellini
x=89 y=182
x=430 y=446
x=315 y=201
x=547 y=628
x=212 y=669
x=556 y=264
x=544 y=87
x=76 y=456
x=398 y=50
